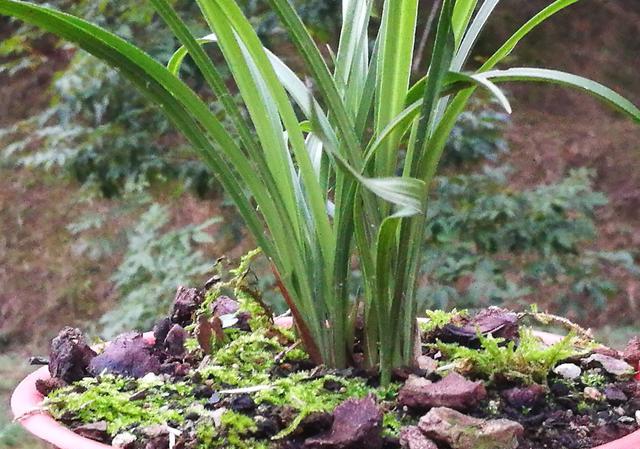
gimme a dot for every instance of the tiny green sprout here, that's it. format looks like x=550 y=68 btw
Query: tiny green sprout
x=583 y=407
x=593 y=378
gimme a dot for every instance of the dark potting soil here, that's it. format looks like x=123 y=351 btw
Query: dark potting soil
x=221 y=375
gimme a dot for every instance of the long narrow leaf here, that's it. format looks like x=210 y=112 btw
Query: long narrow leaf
x=566 y=79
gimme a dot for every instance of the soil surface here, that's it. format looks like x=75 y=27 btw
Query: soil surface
x=483 y=380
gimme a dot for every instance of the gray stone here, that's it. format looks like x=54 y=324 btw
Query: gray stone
x=611 y=365
x=465 y=432
x=568 y=371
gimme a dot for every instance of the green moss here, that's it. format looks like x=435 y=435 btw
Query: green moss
x=245 y=361
x=234 y=433
x=593 y=379
x=391 y=425
x=437 y=319
x=109 y=399
x=529 y=362
x=307 y=396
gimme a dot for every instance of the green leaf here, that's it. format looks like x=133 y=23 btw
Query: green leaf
x=472 y=34
x=397 y=37
x=566 y=79
x=462 y=13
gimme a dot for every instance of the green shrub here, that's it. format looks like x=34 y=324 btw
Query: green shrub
x=504 y=242
x=155 y=263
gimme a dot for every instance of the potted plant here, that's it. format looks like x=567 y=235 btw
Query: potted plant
x=325 y=174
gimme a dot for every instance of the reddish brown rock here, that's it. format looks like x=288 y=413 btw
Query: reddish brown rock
x=175 y=340
x=160 y=331
x=453 y=391
x=493 y=320
x=70 y=355
x=631 y=353
x=46 y=386
x=127 y=355
x=185 y=304
x=465 y=432
x=357 y=424
x=94 y=431
x=529 y=396
x=224 y=305
x=411 y=437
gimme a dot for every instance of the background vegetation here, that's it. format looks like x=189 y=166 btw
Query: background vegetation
x=103 y=211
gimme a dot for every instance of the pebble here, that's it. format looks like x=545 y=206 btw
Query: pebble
x=122 y=440
x=593 y=393
x=568 y=371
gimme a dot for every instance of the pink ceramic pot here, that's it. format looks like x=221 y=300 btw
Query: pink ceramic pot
x=26 y=399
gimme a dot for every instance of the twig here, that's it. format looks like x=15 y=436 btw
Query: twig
x=548 y=318
x=286 y=351
x=425 y=35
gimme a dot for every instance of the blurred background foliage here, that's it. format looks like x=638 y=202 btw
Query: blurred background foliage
x=105 y=211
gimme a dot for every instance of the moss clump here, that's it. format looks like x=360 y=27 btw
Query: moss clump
x=307 y=395
x=109 y=398
x=530 y=361
x=437 y=319
x=234 y=432
x=593 y=378
x=245 y=361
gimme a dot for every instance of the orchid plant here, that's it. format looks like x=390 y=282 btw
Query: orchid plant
x=330 y=167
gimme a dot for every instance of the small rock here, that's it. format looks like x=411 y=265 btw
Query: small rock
x=465 y=432
x=46 y=386
x=185 y=304
x=611 y=365
x=492 y=320
x=123 y=440
x=615 y=395
x=427 y=364
x=127 y=355
x=568 y=371
x=203 y=391
x=357 y=424
x=593 y=393
x=631 y=353
x=224 y=305
x=94 y=431
x=411 y=437
x=242 y=403
x=161 y=442
x=157 y=430
x=70 y=355
x=213 y=400
x=560 y=389
x=216 y=415
x=529 y=396
x=267 y=427
x=174 y=342
x=454 y=391
x=161 y=329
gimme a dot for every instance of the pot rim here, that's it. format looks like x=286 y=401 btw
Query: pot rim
x=26 y=403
